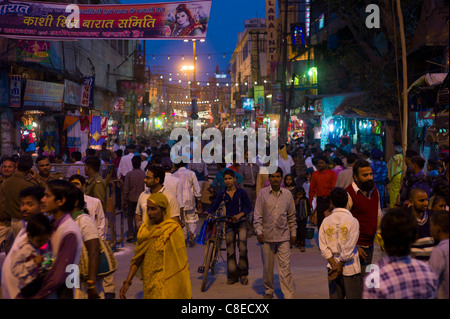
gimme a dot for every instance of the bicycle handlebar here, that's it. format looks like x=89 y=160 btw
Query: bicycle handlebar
x=212 y=217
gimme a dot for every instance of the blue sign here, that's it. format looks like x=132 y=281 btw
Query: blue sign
x=248 y=104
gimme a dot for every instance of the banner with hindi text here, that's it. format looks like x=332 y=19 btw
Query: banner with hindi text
x=169 y=20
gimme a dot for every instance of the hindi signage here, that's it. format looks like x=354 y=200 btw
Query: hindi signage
x=271 y=28
x=46 y=95
x=179 y=20
x=15 y=91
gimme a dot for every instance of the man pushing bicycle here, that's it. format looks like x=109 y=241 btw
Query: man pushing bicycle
x=237 y=207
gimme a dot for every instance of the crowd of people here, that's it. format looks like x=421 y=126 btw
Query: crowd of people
x=355 y=199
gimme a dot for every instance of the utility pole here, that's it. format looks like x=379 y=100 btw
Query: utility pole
x=405 y=88
x=258 y=64
x=194 y=115
x=284 y=107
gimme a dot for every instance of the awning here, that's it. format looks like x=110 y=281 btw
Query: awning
x=331 y=102
x=353 y=112
x=429 y=79
x=348 y=105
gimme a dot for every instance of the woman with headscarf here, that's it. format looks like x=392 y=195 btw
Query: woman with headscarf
x=395 y=166
x=380 y=172
x=285 y=160
x=161 y=254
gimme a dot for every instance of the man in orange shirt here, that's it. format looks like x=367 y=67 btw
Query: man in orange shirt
x=322 y=183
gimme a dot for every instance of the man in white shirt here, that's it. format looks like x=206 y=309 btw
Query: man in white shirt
x=308 y=160
x=125 y=165
x=78 y=165
x=93 y=205
x=154 y=180
x=171 y=182
x=191 y=200
x=338 y=236
x=123 y=147
x=276 y=227
x=285 y=160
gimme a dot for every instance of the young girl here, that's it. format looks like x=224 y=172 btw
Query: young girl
x=289 y=182
x=26 y=264
x=438 y=203
x=303 y=211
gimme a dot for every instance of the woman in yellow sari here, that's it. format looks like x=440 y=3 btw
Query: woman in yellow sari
x=161 y=253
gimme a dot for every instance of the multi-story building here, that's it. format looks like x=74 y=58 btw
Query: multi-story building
x=248 y=67
x=31 y=122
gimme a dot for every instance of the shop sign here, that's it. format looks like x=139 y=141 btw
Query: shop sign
x=318 y=108
x=271 y=28
x=72 y=92
x=87 y=91
x=259 y=116
x=45 y=95
x=119 y=104
x=33 y=51
x=240 y=111
x=259 y=97
x=248 y=104
x=104 y=21
x=428 y=115
x=15 y=90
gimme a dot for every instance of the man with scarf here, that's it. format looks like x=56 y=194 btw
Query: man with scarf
x=364 y=204
x=160 y=255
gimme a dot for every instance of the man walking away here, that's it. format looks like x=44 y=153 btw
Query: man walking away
x=338 y=236
x=133 y=187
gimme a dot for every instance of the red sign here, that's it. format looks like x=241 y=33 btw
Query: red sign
x=428 y=115
x=259 y=116
x=318 y=107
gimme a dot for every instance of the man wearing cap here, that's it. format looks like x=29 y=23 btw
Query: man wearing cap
x=125 y=165
x=45 y=174
x=95 y=185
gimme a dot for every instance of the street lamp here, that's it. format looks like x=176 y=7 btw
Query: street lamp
x=194 y=114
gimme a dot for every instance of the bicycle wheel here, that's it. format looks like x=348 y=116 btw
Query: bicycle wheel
x=209 y=256
x=215 y=257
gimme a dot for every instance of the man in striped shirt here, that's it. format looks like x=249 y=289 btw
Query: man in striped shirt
x=421 y=249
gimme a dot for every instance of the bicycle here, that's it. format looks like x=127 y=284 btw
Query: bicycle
x=213 y=246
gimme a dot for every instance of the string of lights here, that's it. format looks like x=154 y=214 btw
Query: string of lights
x=208 y=83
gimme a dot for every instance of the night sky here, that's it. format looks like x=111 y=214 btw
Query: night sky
x=226 y=21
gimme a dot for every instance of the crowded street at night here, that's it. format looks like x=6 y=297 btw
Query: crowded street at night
x=218 y=151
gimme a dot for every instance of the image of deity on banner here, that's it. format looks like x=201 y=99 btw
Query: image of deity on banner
x=184 y=23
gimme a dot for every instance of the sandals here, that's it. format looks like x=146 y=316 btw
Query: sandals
x=244 y=280
x=231 y=282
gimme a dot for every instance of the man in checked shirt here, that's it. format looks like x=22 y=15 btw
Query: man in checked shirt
x=275 y=225
x=398 y=276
